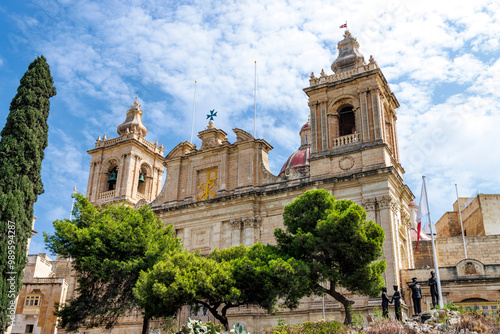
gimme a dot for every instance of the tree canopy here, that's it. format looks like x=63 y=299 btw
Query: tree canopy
x=24 y=139
x=340 y=247
x=225 y=279
x=109 y=246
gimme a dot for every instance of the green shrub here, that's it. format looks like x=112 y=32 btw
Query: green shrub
x=319 y=327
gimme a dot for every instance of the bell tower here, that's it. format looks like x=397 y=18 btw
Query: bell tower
x=354 y=143
x=354 y=107
x=127 y=168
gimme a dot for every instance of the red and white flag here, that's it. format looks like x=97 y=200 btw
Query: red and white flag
x=422 y=212
x=343 y=26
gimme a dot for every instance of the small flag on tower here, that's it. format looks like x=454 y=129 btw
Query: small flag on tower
x=343 y=26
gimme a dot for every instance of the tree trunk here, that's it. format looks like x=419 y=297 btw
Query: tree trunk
x=221 y=317
x=343 y=300
x=145 y=324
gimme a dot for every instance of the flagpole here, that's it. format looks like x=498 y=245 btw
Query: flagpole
x=72 y=204
x=461 y=222
x=194 y=103
x=436 y=268
x=255 y=100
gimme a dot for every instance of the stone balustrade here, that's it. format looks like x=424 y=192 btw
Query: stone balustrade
x=108 y=142
x=107 y=194
x=341 y=75
x=344 y=140
x=141 y=196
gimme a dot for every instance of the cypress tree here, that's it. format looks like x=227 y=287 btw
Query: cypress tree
x=24 y=139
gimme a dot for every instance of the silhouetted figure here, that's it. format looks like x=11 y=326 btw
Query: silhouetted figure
x=385 y=303
x=434 y=290
x=416 y=295
x=396 y=298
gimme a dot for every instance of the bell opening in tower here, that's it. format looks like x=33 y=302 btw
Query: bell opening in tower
x=112 y=179
x=347 y=124
x=141 y=186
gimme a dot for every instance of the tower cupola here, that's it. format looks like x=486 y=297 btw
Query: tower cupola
x=133 y=122
x=349 y=57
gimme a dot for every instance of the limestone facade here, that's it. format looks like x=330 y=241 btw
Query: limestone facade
x=45 y=282
x=133 y=162
x=480 y=216
x=223 y=194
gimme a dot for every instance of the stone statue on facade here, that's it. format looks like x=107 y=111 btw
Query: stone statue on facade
x=385 y=303
x=416 y=296
x=396 y=298
x=434 y=290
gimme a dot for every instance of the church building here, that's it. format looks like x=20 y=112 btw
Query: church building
x=223 y=194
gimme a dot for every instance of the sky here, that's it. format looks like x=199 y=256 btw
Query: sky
x=441 y=59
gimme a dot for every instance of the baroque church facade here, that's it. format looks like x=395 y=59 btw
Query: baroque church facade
x=223 y=194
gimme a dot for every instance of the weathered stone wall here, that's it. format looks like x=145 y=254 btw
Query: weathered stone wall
x=450 y=250
x=490 y=207
x=456 y=285
x=449 y=225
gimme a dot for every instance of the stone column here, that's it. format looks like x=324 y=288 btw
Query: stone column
x=250 y=226
x=377 y=118
x=390 y=245
x=323 y=125
x=369 y=204
x=121 y=182
x=365 y=134
x=236 y=233
x=94 y=188
x=132 y=178
x=314 y=130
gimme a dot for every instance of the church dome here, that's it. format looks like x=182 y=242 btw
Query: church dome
x=299 y=160
x=306 y=126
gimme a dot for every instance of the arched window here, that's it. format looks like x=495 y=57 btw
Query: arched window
x=347 y=123
x=141 y=186
x=112 y=177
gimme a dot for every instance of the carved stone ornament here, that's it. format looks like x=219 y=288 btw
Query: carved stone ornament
x=369 y=204
x=251 y=221
x=384 y=202
x=470 y=269
x=236 y=223
x=346 y=163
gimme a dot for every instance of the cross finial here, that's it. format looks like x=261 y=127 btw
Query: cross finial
x=212 y=114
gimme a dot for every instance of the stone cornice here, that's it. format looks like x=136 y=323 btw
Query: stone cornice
x=275 y=188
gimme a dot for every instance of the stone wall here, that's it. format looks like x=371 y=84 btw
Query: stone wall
x=490 y=207
x=481 y=216
x=457 y=285
x=449 y=225
x=450 y=250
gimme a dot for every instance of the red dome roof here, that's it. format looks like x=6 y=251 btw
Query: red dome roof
x=306 y=127
x=298 y=160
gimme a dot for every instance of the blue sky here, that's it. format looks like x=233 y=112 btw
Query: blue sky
x=440 y=58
